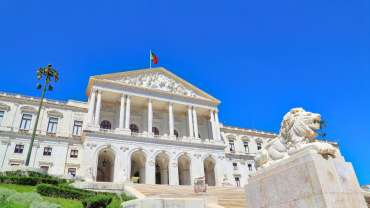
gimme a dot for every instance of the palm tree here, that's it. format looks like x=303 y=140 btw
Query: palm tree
x=47 y=74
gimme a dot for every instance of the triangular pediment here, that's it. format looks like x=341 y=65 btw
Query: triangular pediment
x=157 y=79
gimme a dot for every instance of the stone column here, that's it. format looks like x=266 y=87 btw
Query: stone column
x=212 y=121
x=195 y=122
x=217 y=126
x=97 y=110
x=122 y=113
x=170 y=119
x=128 y=106
x=190 y=122
x=90 y=113
x=150 y=117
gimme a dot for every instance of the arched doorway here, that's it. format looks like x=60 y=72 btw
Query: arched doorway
x=161 y=168
x=183 y=164
x=209 y=171
x=105 y=170
x=138 y=161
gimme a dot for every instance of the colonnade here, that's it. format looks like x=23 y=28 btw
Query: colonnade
x=94 y=110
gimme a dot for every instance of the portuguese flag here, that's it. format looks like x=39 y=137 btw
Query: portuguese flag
x=153 y=58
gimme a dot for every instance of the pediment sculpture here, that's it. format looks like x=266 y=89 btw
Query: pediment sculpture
x=297 y=132
x=158 y=81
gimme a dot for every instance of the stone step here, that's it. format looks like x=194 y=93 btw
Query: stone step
x=227 y=197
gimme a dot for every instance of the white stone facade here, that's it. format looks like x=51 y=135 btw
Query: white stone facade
x=147 y=126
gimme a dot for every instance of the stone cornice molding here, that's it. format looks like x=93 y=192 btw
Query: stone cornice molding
x=28 y=109
x=55 y=113
x=160 y=96
x=220 y=147
x=4 y=107
x=16 y=160
x=26 y=100
x=249 y=132
x=58 y=139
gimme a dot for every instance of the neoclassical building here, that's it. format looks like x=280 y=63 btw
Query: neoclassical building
x=144 y=126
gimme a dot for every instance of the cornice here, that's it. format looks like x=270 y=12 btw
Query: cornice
x=28 y=100
x=4 y=107
x=251 y=132
x=155 y=92
x=154 y=140
x=69 y=140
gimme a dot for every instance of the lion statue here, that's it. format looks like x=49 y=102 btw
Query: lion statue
x=297 y=132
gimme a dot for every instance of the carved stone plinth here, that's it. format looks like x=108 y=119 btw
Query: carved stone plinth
x=305 y=180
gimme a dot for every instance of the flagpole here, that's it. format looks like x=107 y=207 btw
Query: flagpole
x=150 y=58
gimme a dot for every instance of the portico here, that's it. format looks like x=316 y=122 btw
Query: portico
x=147 y=116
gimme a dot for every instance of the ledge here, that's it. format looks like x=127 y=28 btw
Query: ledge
x=156 y=140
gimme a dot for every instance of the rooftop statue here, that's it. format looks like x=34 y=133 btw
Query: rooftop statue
x=297 y=132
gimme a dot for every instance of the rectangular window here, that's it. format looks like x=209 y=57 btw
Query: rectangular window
x=235 y=165
x=74 y=154
x=259 y=145
x=47 y=151
x=44 y=168
x=246 y=146
x=52 y=125
x=19 y=148
x=250 y=167
x=232 y=147
x=237 y=181
x=72 y=171
x=77 y=128
x=1 y=117
x=26 y=121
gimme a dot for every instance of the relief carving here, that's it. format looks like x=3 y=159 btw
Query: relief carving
x=159 y=81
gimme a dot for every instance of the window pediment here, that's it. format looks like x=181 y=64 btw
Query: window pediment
x=55 y=113
x=28 y=109
x=4 y=107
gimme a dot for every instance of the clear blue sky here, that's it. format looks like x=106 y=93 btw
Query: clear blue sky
x=260 y=58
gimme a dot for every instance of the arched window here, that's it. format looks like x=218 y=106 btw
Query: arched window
x=134 y=128
x=155 y=131
x=105 y=125
x=176 y=133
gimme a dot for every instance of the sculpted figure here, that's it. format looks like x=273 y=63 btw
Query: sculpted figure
x=297 y=132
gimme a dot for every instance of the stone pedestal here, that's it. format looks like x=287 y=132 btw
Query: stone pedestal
x=305 y=180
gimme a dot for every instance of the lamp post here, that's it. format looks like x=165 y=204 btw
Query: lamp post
x=47 y=73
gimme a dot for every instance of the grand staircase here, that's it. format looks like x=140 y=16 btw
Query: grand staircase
x=227 y=197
